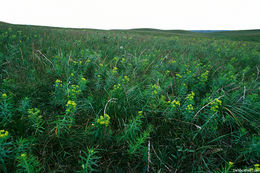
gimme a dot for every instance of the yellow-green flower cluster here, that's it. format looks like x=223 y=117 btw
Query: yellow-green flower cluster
x=230 y=163
x=115 y=59
x=4 y=95
x=204 y=76
x=178 y=75
x=190 y=96
x=155 y=86
x=74 y=89
x=126 y=79
x=23 y=155
x=257 y=167
x=103 y=120
x=167 y=72
x=3 y=133
x=123 y=60
x=101 y=65
x=231 y=76
x=140 y=113
x=58 y=83
x=33 y=112
x=188 y=71
x=71 y=106
x=83 y=79
x=116 y=87
x=175 y=103
x=189 y=108
x=155 y=89
x=173 y=62
x=88 y=60
x=215 y=105
x=114 y=70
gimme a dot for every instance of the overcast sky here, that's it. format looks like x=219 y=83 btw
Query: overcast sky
x=125 y=14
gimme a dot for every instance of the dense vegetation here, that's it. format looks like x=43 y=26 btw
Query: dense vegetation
x=127 y=101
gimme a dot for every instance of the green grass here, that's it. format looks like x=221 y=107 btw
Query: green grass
x=85 y=100
x=247 y=35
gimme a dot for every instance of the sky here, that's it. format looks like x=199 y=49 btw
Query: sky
x=127 y=14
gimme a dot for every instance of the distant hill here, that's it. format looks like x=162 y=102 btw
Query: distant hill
x=239 y=35
x=208 y=31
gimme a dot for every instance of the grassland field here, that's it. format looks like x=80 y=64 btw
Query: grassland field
x=140 y=100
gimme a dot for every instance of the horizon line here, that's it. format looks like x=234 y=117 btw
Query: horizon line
x=68 y=27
